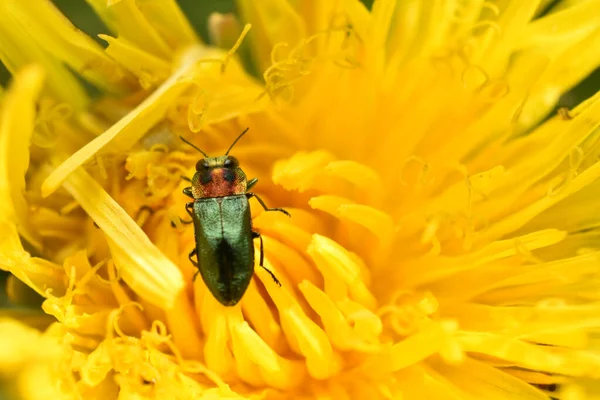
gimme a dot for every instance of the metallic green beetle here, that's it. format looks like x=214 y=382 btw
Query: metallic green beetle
x=223 y=225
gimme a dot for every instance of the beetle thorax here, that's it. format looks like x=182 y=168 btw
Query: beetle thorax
x=213 y=179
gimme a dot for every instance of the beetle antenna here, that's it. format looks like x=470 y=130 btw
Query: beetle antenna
x=236 y=140
x=194 y=146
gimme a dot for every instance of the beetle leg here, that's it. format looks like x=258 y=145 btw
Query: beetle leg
x=251 y=183
x=262 y=203
x=192 y=254
x=195 y=275
x=185 y=178
x=262 y=257
x=188 y=192
x=272 y=275
x=256 y=235
x=188 y=207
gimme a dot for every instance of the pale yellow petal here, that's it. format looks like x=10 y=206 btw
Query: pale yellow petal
x=131 y=127
x=145 y=269
x=569 y=25
x=16 y=128
x=127 y=19
x=167 y=18
x=149 y=69
x=37 y=273
x=28 y=362
x=18 y=48
x=68 y=44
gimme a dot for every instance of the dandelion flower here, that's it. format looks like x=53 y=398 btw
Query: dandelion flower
x=444 y=240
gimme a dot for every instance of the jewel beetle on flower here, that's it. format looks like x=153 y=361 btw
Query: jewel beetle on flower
x=223 y=225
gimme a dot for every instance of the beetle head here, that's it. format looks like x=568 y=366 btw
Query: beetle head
x=218 y=176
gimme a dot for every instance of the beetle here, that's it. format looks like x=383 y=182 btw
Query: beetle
x=220 y=212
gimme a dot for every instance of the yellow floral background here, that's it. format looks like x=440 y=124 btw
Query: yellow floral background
x=444 y=240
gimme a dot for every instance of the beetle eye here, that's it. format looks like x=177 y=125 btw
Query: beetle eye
x=201 y=165
x=231 y=162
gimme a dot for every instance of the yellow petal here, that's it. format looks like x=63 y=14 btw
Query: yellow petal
x=37 y=273
x=130 y=22
x=359 y=17
x=421 y=271
x=170 y=22
x=29 y=360
x=19 y=47
x=142 y=265
x=302 y=171
x=484 y=382
x=132 y=126
x=16 y=128
x=562 y=74
x=274 y=21
x=68 y=44
x=149 y=69
x=409 y=351
x=526 y=321
x=345 y=333
x=275 y=370
x=560 y=26
x=337 y=264
x=530 y=356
